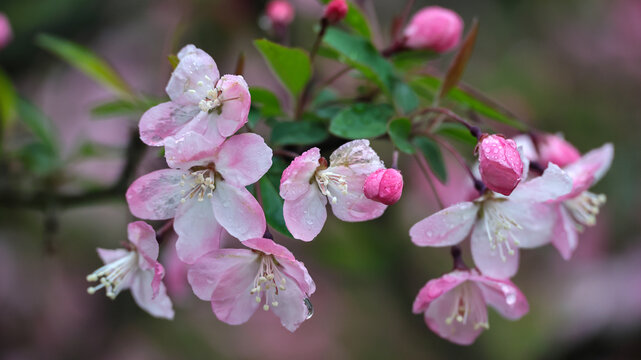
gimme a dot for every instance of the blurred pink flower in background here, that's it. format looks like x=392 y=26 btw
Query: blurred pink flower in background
x=555 y=149
x=455 y=305
x=434 y=28
x=5 y=31
x=280 y=12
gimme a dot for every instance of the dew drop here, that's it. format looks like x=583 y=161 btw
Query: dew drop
x=429 y=234
x=310 y=308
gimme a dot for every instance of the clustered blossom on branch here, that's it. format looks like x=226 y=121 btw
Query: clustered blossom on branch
x=531 y=190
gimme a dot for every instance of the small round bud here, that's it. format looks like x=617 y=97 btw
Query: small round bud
x=384 y=186
x=554 y=149
x=335 y=11
x=500 y=163
x=434 y=28
x=5 y=31
x=280 y=12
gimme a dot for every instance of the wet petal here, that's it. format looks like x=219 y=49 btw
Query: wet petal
x=197 y=229
x=143 y=236
x=243 y=159
x=291 y=309
x=503 y=296
x=565 y=237
x=238 y=212
x=158 y=305
x=447 y=227
x=235 y=100
x=492 y=259
x=205 y=274
x=194 y=76
x=306 y=215
x=297 y=176
x=435 y=288
x=164 y=120
x=155 y=196
x=553 y=184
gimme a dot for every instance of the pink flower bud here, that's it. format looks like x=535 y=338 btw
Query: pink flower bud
x=384 y=186
x=499 y=163
x=556 y=150
x=281 y=13
x=5 y=31
x=434 y=28
x=335 y=11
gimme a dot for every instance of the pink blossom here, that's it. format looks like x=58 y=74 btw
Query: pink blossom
x=280 y=13
x=205 y=192
x=580 y=207
x=135 y=268
x=335 y=11
x=499 y=225
x=500 y=163
x=308 y=182
x=434 y=28
x=384 y=186
x=5 y=31
x=455 y=305
x=201 y=102
x=237 y=281
x=555 y=149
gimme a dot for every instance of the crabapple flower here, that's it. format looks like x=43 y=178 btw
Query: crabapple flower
x=555 y=149
x=434 y=28
x=309 y=181
x=201 y=102
x=384 y=186
x=5 y=31
x=280 y=12
x=500 y=163
x=335 y=11
x=205 y=192
x=455 y=305
x=238 y=281
x=580 y=207
x=135 y=268
x=499 y=225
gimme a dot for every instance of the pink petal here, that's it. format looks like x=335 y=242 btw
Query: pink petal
x=297 y=176
x=111 y=255
x=164 y=120
x=565 y=237
x=444 y=307
x=238 y=212
x=197 y=229
x=194 y=76
x=447 y=227
x=155 y=196
x=205 y=125
x=291 y=309
x=590 y=168
x=205 y=274
x=358 y=156
x=352 y=205
x=235 y=100
x=488 y=259
x=143 y=236
x=158 y=305
x=503 y=296
x=297 y=271
x=189 y=150
x=534 y=219
x=306 y=215
x=435 y=288
x=553 y=184
x=269 y=247
x=243 y=159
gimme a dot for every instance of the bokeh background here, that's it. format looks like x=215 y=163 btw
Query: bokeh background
x=572 y=66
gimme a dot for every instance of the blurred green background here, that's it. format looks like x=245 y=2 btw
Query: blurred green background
x=572 y=67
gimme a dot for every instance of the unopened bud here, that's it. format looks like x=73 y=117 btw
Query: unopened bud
x=434 y=28
x=335 y=11
x=5 y=31
x=384 y=186
x=280 y=12
x=500 y=163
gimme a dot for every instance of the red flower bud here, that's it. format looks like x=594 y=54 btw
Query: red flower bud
x=499 y=163
x=384 y=186
x=434 y=28
x=335 y=11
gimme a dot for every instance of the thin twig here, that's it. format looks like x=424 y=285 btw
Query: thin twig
x=426 y=172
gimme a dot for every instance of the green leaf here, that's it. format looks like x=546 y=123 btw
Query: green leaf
x=427 y=87
x=361 y=121
x=115 y=108
x=358 y=52
x=456 y=132
x=38 y=124
x=8 y=100
x=38 y=158
x=173 y=60
x=406 y=60
x=273 y=206
x=291 y=65
x=433 y=155
x=298 y=133
x=253 y=117
x=399 y=131
x=87 y=62
x=266 y=101
x=457 y=67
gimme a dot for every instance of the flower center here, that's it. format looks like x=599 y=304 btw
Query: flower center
x=112 y=275
x=498 y=227
x=585 y=208
x=269 y=281
x=326 y=178
x=211 y=101
x=200 y=183
x=462 y=309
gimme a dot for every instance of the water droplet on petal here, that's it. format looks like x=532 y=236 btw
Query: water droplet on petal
x=429 y=234
x=310 y=308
